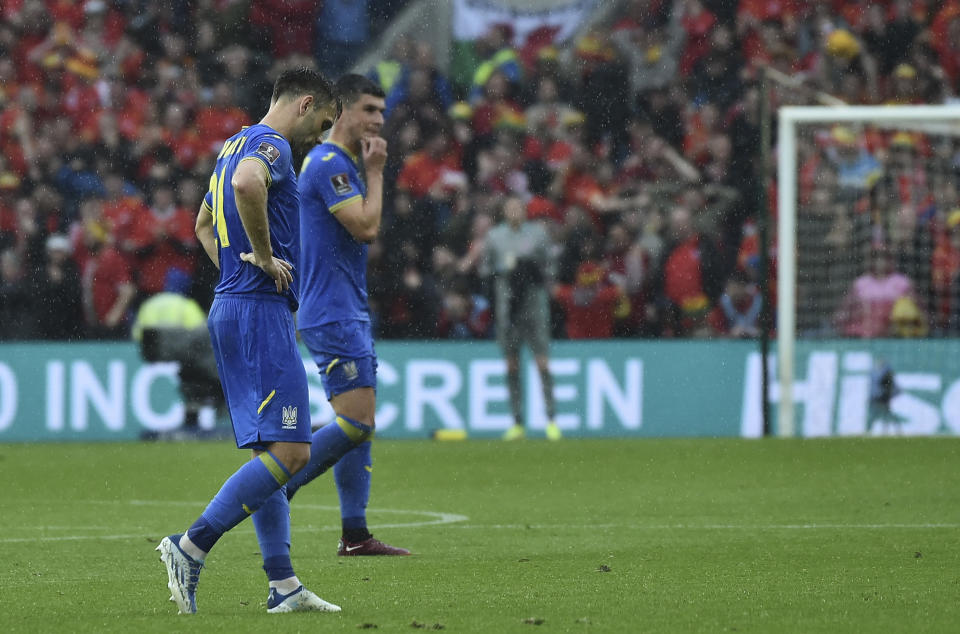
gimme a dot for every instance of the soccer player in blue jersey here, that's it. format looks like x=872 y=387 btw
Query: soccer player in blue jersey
x=249 y=226
x=341 y=196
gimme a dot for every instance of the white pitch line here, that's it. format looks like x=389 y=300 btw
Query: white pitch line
x=650 y=527
x=436 y=518
x=709 y=527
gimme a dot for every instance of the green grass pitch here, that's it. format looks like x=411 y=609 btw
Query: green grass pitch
x=705 y=535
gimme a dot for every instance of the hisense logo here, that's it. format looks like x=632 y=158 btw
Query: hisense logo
x=833 y=395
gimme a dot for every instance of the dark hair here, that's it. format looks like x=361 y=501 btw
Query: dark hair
x=301 y=81
x=352 y=86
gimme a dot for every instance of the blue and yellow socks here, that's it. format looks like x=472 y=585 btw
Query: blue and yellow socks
x=352 y=474
x=243 y=493
x=272 y=521
x=329 y=444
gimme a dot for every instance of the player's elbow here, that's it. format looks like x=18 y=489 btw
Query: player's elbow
x=369 y=233
x=246 y=184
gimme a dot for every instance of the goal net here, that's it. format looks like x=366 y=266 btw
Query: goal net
x=868 y=284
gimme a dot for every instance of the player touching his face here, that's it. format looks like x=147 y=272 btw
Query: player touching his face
x=341 y=193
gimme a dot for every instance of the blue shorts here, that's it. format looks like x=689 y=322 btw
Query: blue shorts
x=260 y=369
x=344 y=355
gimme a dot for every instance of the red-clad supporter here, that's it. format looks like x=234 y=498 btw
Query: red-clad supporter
x=590 y=303
x=9 y=186
x=946 y=38
x=288 y=25
x=542 y=208
x=220 y=120
x=435 y=170
x=108 y=286
x=627 y=265
x=495 y=105
x=698 y=21
x=123 y=208
x=690 y=273
x=98 y=95
x=183 y=140
x=108 y=292
x=702 y=125
x=163 y=240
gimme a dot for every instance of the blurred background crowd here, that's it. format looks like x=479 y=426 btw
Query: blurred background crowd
x=636 y=143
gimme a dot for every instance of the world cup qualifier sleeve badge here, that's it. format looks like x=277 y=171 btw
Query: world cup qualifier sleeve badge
x=269 y=152
x=341 y=184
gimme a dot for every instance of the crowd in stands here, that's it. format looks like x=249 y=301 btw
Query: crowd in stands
x=636 y=143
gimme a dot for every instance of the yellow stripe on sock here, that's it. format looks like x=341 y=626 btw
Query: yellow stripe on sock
x=265 y=401
x=277 y=471
x=354 y=434
x=332 y=363
x=368 y=468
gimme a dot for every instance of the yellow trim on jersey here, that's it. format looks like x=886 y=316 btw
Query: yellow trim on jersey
x=266 y=400
x=262 y=162
x=332 y=363
x=343 y=203
x=275 y=468
x=353 y=157
x=208 y=207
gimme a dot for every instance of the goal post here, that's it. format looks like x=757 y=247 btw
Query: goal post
x=921 y=120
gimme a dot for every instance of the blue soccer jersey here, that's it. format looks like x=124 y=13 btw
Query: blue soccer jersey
x=333 y=265
x=265 y=145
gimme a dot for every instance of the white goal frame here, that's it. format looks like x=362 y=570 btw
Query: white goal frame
x=943 y=119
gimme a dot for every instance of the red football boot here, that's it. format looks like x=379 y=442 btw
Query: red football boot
x=368 y=547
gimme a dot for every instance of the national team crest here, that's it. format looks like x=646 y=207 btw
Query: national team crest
x=341 y=184
x=350 y=370
x=269 y=152
x=289 y=419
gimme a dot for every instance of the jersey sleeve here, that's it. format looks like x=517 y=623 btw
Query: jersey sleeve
x=337 y=182
x=273 y=152
x=208 y=202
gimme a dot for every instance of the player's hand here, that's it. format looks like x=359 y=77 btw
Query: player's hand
x=277 y=269
x=374 y=153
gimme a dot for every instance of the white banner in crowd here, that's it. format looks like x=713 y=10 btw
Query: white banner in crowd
x=473 y=18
